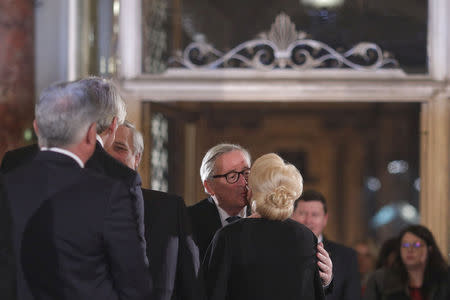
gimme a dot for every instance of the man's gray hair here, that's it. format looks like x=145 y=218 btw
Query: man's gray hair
x=138 y=140
x=63 y=114
x=110 y=103
x=209 y=160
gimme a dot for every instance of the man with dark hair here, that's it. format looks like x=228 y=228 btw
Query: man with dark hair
x=173 y=255
x=75 y=233
x=311 y=210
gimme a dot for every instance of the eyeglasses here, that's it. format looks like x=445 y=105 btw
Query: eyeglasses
x=415 y=245
x=233 y=176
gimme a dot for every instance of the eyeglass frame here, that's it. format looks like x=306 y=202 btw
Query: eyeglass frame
x=236 y=172
x=415 y=245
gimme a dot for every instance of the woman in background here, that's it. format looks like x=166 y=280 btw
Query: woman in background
x=419 y=271
x=267 y=256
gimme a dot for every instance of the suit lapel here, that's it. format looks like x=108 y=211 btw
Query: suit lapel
x=149 y=209
x=215 y=220
x=328 y=247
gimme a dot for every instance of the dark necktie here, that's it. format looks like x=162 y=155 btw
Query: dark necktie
x=232 y=219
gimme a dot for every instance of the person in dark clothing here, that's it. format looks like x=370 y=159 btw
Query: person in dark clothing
x=75 y=233
x=311 y=210
x=224 y=172
x=265 y=256
x=173 y=255
x=419 y=271
x=7 y=259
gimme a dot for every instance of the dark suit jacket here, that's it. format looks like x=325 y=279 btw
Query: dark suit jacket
x=7 y=262
x=75 y=234
x=101 y=162
x=256 y=258
x=173 y=255
x=107 y=165
x=346 y=282
x=205 y=222
x=17 y=157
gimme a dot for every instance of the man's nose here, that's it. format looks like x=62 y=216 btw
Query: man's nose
x=307 y=219
x=242 y=181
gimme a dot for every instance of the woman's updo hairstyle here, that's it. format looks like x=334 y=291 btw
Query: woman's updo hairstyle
x=275 y=186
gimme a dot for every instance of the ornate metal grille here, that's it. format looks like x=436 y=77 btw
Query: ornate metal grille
x=284 y=47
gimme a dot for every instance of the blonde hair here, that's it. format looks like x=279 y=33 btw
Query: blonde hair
x=275 y=185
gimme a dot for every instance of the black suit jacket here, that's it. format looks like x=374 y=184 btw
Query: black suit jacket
x=107 y=165
x=346 y=282
x=17 y=157
x=75 y=235
x=256 y=258
x=101 y=162
x=173 y=255
x=205 y=222
x=7 y=262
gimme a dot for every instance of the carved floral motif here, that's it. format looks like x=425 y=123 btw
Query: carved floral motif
x=285 y=47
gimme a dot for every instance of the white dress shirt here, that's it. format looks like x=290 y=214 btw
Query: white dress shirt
x=224 y=215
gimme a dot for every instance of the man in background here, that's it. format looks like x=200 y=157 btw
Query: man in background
x=311 y=210
x=173 y=255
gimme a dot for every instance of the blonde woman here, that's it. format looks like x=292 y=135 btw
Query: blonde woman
x=268 y=256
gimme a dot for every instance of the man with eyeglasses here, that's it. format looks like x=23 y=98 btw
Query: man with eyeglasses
x=224 y=172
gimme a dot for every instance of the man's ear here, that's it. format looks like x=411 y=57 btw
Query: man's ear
x=137 y=160
x=91 y=136
x=208 y=187
x=113 y=127
x=326 y=219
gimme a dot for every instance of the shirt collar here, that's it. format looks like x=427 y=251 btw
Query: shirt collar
x=320 y=238
x=99 y=139
x=65 y=152
x=224 y=215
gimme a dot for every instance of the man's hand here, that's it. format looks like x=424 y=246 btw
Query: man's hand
x=325 y=265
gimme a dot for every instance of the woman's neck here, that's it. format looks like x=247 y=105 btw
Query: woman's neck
x=416 y=277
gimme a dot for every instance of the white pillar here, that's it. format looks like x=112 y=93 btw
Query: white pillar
x=130 y=38
x=439 y=39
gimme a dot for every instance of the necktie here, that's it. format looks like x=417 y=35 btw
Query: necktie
x=232 y=219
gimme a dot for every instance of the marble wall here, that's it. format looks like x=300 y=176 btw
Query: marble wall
x=16 y=73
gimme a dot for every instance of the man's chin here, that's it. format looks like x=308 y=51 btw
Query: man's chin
x=244 y=199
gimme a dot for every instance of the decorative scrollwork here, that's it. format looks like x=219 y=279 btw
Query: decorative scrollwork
x=284 y=47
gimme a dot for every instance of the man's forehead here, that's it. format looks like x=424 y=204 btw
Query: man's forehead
x=123 y=134
x=232 y=160
x=311 y=204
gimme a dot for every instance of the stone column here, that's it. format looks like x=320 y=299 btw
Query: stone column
x=16 y=72
x=435 y=170
x=435 y=130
